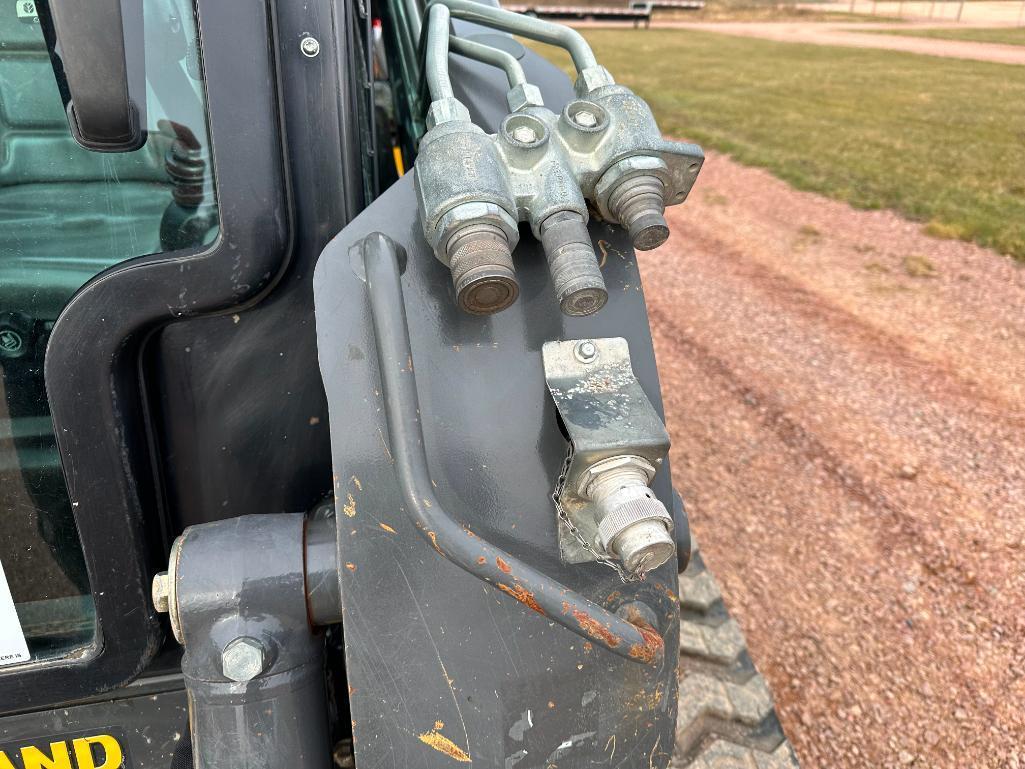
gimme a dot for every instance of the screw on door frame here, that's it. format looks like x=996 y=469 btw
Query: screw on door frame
x=309 y=46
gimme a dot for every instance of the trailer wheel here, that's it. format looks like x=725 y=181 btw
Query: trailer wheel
x=727 y=719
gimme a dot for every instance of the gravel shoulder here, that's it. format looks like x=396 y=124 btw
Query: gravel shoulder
x=847 y=402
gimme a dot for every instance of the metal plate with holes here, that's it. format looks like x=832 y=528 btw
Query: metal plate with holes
x=606 y=414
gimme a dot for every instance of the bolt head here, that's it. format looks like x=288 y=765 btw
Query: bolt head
x=585 y=118
x=309 y=46
x=162 y=592
x=524 y=134
x=243 y=659
x=586 y=351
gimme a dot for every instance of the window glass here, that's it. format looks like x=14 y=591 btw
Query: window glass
x=67 y=214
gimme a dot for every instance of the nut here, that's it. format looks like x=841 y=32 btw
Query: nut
x=635 y=165
x=161 y=592
x=471 y=213
x=623 y=462
x=243 y=659
x=592 y=78
x=446 y=110
x=524 y=95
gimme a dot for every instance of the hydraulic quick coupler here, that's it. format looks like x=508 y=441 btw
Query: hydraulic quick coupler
x=541 y=168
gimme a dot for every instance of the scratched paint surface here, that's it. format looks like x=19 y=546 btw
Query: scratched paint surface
x=426 y=642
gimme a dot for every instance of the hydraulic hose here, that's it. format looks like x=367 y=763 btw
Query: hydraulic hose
x=458 y=543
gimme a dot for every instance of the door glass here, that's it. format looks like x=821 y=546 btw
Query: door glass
x=66 y=214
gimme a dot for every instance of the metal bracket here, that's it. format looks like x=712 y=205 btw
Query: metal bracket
x=606 y=414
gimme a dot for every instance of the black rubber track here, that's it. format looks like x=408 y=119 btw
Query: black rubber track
x=727 y=718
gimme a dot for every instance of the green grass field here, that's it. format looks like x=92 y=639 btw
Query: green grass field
x=1006 y=35
x=940 y=140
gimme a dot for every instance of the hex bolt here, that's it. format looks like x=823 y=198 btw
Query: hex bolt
x=524 y=134
x=161 y=592
x=638 y=204
x=243 y=659
x=633 y=524
x=576 y=276
x=586 y=351
x=482 y=268
x=585 y=118
x=309 y=46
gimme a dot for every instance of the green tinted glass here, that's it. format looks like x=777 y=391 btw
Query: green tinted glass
x=67 y=214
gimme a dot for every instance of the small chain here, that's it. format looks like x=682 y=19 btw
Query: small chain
x=560 y=484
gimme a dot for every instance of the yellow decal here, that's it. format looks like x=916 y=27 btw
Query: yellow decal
x=59 y=758
x=71 y=753
x=112 y=756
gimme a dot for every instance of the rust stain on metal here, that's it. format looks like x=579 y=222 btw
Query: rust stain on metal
x=434 y=540
x=439 y=724
x=482 y=560
x=443 y=744
x=565 y=607
x=387 y=528
x=651 y=649
x=503 y=565
x=357 y=483
x=595 y=629
x=350 y=566
x=349 y=508
x=588 y=646
x=522 y=595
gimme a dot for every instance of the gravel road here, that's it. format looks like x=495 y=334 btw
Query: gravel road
x=852 y=36
x=847 y=402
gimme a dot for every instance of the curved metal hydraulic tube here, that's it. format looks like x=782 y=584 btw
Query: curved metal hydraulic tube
x=490 y=55
x=458 y=543
x=518 y=24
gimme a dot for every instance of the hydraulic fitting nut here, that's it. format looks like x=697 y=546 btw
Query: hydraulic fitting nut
x=577 y=279
x=446 y=111
x=633 y=524
x=591 y=79
x=524 y=95
x=243 y=659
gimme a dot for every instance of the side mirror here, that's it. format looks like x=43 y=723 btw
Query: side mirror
x=97 y=53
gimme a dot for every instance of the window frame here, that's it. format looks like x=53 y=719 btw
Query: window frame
x=93 y=356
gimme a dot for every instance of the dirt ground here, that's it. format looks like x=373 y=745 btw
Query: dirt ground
x=975 y=12
x=851 y=36
x=847 y=402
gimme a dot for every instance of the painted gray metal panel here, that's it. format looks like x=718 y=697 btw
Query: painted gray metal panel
x=441 y=666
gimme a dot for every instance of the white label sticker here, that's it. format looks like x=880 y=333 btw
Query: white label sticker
x=13 y=648
x=27 y=10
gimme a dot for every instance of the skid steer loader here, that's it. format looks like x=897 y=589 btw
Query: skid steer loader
x=331 y=428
